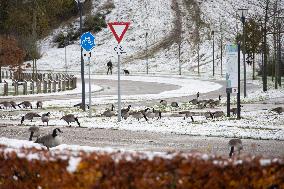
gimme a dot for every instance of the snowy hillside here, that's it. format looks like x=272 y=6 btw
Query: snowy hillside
x=165 y=21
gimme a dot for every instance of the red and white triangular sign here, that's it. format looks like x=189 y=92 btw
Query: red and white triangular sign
x=118 y=29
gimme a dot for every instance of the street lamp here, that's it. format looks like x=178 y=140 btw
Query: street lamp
x=221 y=31
x=82 y=60
x=65 y=35
x=147 y=61
x=242 y=14
x=213 y=33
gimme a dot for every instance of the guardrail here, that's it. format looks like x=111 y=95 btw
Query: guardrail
x=28 y=83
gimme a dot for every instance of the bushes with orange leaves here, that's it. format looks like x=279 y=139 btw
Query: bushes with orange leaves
x=31 y=168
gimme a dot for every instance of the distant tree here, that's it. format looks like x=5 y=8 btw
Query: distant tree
x=253 y=35
x=10 y=53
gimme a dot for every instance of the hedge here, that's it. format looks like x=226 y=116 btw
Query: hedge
x=34 y=168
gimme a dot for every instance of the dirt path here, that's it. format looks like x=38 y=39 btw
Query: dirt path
x=148 y=141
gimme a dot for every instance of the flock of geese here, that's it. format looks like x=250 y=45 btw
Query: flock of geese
x=53 y=139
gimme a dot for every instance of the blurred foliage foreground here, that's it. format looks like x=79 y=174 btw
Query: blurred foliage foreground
x=34 y=168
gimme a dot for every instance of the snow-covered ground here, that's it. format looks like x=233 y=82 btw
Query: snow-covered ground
x=157 y=18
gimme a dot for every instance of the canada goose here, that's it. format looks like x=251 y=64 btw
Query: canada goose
x=6 y=104
x=126 y=72
x=218 y=114
x=70 y=118
x=14 y=105
x=163 y=102
x=26 y=104
x=158 y=114
x=278 y=110
x=208 y=115
x=125 y=112
x=80 y=105
x=194 y=101
x=39 y=104
x=109 y=113
x=234 y=111
x=29 y=116
x=187 y=114
x=34 y=130
x=45 y=117
x=174 y=104
x=197 y=95
x=201 y=105
x=235 y=143
x=138 y=115
x=50 y=140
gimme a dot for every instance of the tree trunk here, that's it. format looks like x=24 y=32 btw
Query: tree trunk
x=264 y=76
x=0 y=74
x=253 y=66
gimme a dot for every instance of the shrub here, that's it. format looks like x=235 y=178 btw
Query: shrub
x=94 y=23
x=125 y=170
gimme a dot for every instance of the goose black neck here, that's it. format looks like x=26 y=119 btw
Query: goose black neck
x=54 y=134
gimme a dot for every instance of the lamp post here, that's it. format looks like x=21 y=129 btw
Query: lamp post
x=212 y=33
x=221 y=28
x=147 y=61
x=243 y=13
x=80 y=2
x=65 y=59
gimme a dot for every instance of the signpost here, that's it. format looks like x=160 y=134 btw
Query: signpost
x=88 y=43
x=232 y=73
x=119 y=29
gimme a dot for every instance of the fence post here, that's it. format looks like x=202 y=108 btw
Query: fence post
x=38 y=86
x=25 y=88
x=49 y=86
x=32 y=87
x=63 y=84
x=54 y=86
x=44 y=86
x=5 y=88
x=59 y=85
x=15 y=83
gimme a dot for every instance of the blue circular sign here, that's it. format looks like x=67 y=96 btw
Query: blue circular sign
x=88 y=41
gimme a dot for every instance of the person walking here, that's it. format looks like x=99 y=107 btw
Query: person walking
x=109 y=67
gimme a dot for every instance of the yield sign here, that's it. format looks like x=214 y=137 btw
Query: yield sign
x=118 y=29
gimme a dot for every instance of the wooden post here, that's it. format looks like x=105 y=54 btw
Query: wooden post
x=16 y=88
x=59 y=85
x=38 y=86
x=49 y=86
x=63 y=84
x=25 y=88
x=32 y=87
x=54 y=86
x=5 y=88
x=44 y=86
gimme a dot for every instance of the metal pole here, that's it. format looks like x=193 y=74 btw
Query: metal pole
x=239 y=83
x=279 y=55
x=118 y=91
x=82 y=63
x=90 y=90
x=221 y=54
x=198 y=58
x=244 y=57
x=213 y=54
x=147 y=62
x=65 y=60
x=179 y=63
x=228 y=103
